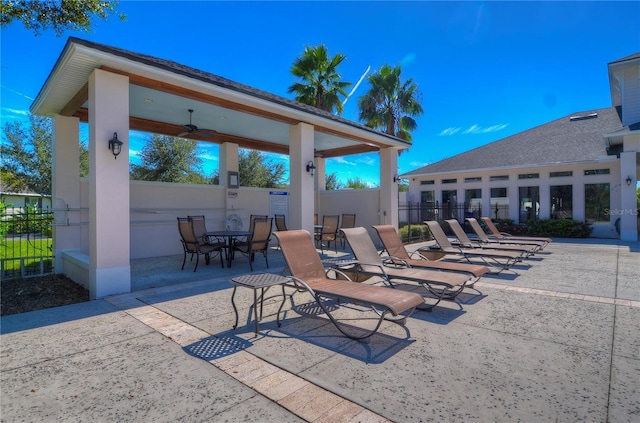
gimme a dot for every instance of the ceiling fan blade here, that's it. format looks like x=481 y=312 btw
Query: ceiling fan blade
x=182 y=134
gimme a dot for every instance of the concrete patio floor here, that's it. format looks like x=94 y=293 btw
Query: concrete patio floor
x=558 y=341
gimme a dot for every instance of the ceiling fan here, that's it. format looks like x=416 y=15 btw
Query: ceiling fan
x=190 y=128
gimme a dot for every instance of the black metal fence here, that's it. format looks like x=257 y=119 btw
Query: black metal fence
x=26 y=248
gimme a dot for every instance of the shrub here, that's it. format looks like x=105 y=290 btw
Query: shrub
x=418 y=232
x=562 y=228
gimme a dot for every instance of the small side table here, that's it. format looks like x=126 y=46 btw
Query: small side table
x=257 y=281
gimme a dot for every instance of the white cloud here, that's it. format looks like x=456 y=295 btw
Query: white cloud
x=473 y=129
x=476 y=129
x=7 y=112
x=415 y=164
x=449 y=131
x=342 y=161
x=369 y=161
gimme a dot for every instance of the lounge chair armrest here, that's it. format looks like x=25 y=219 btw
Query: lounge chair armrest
x=338 y=271
x=394 y=261
x=300 y=284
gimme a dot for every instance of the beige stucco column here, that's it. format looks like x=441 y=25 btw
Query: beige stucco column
x=388 y=188
x=628 y=210
x=302 y=205
x=109 y=222
x=65 y=185
x=228 y=163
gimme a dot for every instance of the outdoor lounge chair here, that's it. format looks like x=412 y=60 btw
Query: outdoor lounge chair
x=194 y=245
x=395 y=249
x=443 y=285
x=465 y=241
x=504 y=260
x=485 y=240
x=257 y=242
x=495 y=232
x=309 y=274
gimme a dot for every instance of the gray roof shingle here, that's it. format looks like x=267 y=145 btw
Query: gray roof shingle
x=560 y=141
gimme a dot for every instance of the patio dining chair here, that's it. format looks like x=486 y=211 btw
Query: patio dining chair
x=329 y=232
x=200 y=231
x=193 y=245
x=281 y=224
x=257 y=242
x=347 y=221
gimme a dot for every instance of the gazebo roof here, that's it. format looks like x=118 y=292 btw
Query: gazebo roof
x=162 y=91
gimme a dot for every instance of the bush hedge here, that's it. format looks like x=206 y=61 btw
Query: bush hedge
x=562 y=228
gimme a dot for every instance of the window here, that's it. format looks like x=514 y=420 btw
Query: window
x=596 y=202
x=529 y=203
x=473 y=179
x=596 y=172
x=560 y=174
x=428 y=197
x=449 y=205
x=427 y=182
x=528 y=176
x=499 y=178
x=499 y=203
x=473 y=202
x=428 y=205
x=449 y=181
x=561 y=201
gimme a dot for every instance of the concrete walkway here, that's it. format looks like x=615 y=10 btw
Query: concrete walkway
x=558 y=341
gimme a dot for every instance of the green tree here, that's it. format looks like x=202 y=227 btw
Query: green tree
x=169 y=159
x=356 y=183
x=403 y=187
x=256 y=169
x=26 y=155
x=331 y=181
x=321 y=84
x=26 y=159
x=59 y=15
x=390 y=105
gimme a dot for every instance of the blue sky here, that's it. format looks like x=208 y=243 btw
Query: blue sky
x=486 y=70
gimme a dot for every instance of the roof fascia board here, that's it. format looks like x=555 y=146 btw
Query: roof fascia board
x=511 y=168
x=62 y=62
x=125 y=64
x=376 y=139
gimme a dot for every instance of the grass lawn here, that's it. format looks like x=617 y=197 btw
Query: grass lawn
x=32 y=250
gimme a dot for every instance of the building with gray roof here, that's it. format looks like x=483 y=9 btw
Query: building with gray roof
x=582 y=166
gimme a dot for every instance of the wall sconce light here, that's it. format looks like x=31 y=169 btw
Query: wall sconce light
x=629 y=180
x=311 y=168
x=396 y=179
x=115 y=145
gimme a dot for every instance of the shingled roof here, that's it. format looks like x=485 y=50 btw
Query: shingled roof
x=573 y=138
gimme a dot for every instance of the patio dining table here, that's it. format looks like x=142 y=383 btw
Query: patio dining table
x=229 y=237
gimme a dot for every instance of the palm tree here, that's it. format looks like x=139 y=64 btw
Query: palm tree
x=320 y=86
x=390 y=104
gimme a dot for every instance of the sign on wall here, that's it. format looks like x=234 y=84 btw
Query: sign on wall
x=279 y=203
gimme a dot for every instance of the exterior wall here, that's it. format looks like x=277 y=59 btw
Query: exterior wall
x=364 y=203
x=156 y=205
x=18 y=200
x=631 y=94
x=544 y=182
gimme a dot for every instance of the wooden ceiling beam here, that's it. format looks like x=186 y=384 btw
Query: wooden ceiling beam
x=206 y=98
x=76 y=102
